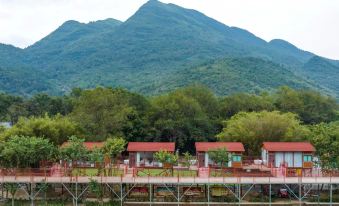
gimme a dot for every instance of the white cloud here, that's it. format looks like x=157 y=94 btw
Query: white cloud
x=309 y=24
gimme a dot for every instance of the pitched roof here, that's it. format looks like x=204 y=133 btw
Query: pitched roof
x=230 y=146
x=288 y=146
x=150 y=146
x=88 y=145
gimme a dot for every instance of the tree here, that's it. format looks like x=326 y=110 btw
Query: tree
x=205 y=97
x=41 y=104
x=188 y=158
x=325 y=138
x=104 y=112
x=11 y=188
x=242 y=102
x=166 y=157
x=179 y=118
x=75 y=150
x=57 y=129
x=114 y=146
x=97 y=189
x=5 y=103
x=22 y=152
x=96 y=155
x=219 y=156
x=253 y=128
x=311 y=106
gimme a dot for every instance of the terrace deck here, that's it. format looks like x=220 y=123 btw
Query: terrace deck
x=174 y=180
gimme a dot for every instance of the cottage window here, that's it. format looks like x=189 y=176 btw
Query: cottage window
x=236 y=158
x=307 y=158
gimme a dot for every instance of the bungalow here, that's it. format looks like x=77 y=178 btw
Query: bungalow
x=141 y=153
x=234 y=148
x=290 y=154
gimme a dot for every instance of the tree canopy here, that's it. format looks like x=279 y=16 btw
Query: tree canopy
x=22 y=151
x=253 y=128
x=57 y=129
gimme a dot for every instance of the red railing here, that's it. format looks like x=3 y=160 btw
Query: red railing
x=122 y=171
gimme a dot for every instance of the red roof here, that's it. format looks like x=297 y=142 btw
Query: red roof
x=150 y=146
x=88 y=145
x=230 y=146
x=288 y=146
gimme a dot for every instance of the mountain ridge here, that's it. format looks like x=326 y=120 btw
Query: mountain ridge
x=155 y=44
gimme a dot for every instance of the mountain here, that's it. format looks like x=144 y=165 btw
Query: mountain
x=245 y=74
x=322 y=71
x=161 y=47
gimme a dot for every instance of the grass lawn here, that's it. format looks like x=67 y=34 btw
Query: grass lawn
x=165 y=173
x=219 y=173
x=95 y=172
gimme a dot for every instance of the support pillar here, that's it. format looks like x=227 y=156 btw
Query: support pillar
x=178 y=193
x=270 y=194
x=32 y=194
x=121 y=197
x=331 y=194
x=300 y=196
x=208 y=194
x=76 y=194
x=239 y=194
x=150 y=194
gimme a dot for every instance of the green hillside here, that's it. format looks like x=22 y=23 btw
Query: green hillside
x=157 y=49
x=232 y=75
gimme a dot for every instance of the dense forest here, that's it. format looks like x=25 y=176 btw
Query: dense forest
x=162 y=47
x=184 y=116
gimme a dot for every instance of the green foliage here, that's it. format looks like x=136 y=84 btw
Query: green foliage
x=114 y=146
x=242 y=102
x=311 y=106
x=253 y=128
x=104 y=112
x=97 y=189
x=325 y=137
x=57 y=129
x=188 y=159
x=96 y=155
x=219 y=156
x=157 y=50
x=22 y=152
x=164 y=156
x=179 y=118
x=74 y=150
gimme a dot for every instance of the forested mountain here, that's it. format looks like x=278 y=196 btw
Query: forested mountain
x=159 y=48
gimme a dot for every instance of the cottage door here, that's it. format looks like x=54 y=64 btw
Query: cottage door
x=132 y=159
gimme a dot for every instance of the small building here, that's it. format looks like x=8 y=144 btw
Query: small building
x=288 y=154
x=6 y=125
x=235 y=150
x=141 y=153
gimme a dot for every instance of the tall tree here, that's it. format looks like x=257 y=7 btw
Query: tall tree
x=103 y=112
x=57 y=129
x=21 y=151
x=311 y=106
x=74 y=150
x=253 y=128
x=325 y=138
x=179 y=118
x=242 y=102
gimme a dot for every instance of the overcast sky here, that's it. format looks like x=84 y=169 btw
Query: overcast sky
x=312 y=25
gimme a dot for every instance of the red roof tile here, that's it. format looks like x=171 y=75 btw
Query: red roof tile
x=150 y=146
x=230 y=146
x=88 y=145
x=288 y=146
